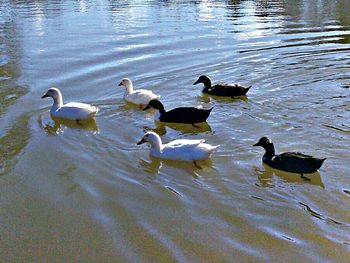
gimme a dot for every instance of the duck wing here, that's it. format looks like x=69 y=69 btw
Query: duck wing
x=189 y=115
x=296 y=162
x=229 y=90
x=185 y=150
x=142 y=96
x=183 y=143
x=145 y=92
x=76 y=111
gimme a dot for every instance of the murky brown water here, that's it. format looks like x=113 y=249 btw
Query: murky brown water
x=73 y=194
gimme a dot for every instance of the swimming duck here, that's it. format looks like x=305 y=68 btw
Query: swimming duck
x=181 y=150
x=222 y=89
x=138 y=97
x=188 y=115
x=292 y=162
x=71 y=111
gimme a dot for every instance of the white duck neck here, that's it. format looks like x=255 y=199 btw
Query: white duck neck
x=58 y=100
x=156 y=144
x=128 y=89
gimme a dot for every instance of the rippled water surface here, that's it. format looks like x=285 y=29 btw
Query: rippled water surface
x=90 y=194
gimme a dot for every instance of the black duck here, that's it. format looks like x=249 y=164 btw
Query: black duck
x=222 y=89
x=188 y=115
x=293 y=162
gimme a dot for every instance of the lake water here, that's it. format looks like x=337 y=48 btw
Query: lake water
x=91 y=194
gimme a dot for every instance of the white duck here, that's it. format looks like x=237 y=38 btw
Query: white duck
x=181 y=150
x=139 y=97
x=72 y=111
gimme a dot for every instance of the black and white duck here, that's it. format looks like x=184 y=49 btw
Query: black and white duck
x=222 y=89
x=187 y=115
x=293 y=162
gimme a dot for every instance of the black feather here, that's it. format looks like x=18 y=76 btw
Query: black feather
x=187 y=115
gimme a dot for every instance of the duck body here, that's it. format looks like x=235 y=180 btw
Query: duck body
x=222 y=89
x=75 y=111
x=138 y=97
x=293 y=162
x=71 y=111
x=187 y=115
x=181 y=150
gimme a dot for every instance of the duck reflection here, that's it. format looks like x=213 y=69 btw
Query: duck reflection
x=58 y=125
x=266 y=176
x=183 y=128
x=130 y=106
x=206 y=98
x=155 y=164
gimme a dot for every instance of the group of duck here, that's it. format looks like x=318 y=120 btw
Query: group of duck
x=185 y=149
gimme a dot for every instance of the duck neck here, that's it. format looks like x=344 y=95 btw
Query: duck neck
x=58 y=101
x=161 y=111
x=159 y=115
x=269 y=152
x=207 y=85
x=156 y=145
x=128 y=89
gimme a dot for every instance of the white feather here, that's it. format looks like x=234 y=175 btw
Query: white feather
x=75 y=111
x=72 y=110
x=182 y=150
x=141 y=97
x=138 y=97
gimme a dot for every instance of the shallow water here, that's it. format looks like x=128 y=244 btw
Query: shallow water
x=90 y=194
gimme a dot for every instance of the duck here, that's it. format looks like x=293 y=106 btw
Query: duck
x=178 y=150
x=187 y=115
x=72 y=111
x=293 y=162
x=222 y=89
x=138 y=97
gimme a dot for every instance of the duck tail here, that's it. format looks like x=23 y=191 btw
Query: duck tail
x=95 y=111
x=248 y=88
x=214 y=148
x=211 y=109
x=320 y=163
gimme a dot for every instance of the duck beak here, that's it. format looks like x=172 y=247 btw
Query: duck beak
x=45 y=96
x=141 y=141
x=257 y=144
x=196 y=82
x=120 y=84
x=147 y=107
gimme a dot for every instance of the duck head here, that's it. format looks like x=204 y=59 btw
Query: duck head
x=267 y=144
x=151 y=138
x=205 y=80
x=155 y=104
x=55 y=94
x=127 y=84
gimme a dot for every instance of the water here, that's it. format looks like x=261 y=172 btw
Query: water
x=90 y=194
